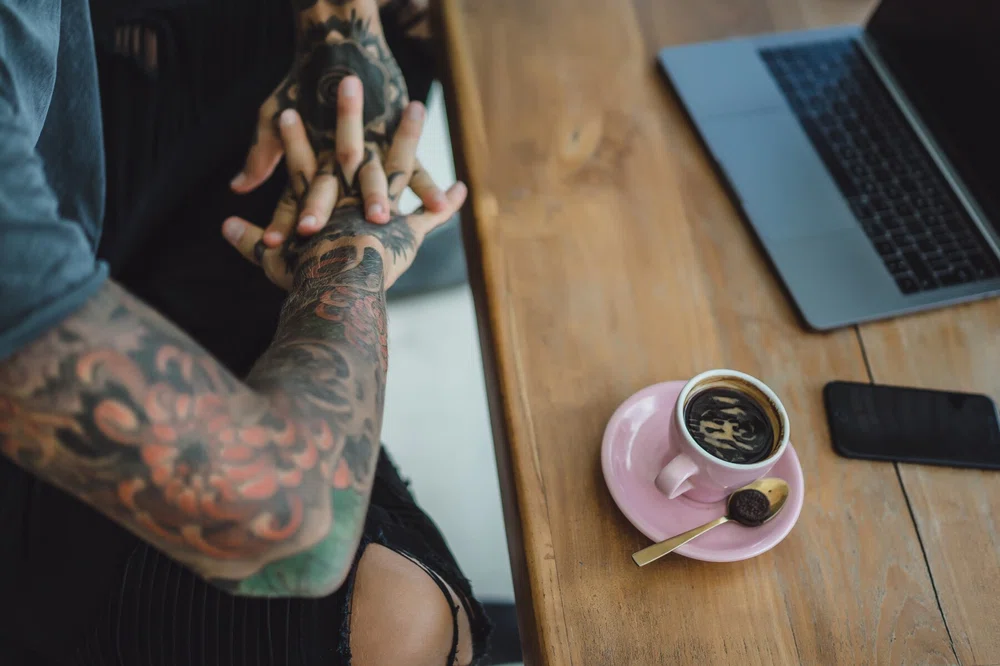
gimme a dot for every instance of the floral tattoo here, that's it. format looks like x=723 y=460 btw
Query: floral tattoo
x=261 y=485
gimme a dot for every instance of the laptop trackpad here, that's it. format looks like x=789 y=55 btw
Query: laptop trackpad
x=781 y=182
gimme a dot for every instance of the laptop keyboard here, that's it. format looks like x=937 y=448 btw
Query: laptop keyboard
x=906 y=207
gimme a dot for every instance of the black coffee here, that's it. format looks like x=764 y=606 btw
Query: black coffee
x=730 y=425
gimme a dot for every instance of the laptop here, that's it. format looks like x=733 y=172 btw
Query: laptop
x=867 y=159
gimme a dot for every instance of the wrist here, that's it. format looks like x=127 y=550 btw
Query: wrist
x=312 y=12
x=327 y=257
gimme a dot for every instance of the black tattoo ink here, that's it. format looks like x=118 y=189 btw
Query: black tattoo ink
x=328 y=52
x=393 y=178
x=260 y=486
x=303 y=192
x=396 y=236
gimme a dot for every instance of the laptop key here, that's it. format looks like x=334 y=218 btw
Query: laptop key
x=904 y=209
x=907 y=284
x=940 y=266
x=981 y=266
x=885 y=248
x=920 y=269
x=965 y=274
x=897 y=266
x=916 y=225
x=927 y=245
x=949 y=279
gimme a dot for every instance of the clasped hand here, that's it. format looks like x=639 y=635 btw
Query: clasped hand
x=314 y=194
x=335 y=40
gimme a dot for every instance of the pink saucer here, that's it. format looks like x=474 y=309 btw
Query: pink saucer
x=637 y=444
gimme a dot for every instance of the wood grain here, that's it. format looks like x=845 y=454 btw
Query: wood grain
x=606 y=257
x=957 y=511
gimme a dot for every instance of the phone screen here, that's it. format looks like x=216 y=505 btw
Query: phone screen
x=913 y=425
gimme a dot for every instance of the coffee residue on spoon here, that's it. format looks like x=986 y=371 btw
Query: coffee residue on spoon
x=749 y=507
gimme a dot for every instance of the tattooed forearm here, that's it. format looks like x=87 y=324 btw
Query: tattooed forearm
x=260 y=485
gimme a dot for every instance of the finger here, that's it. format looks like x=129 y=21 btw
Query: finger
x=427 y=190
x=403 y=153
x=283 y=220
x=299 y=155
x=245 y=237
x=265 y=151
x=374 y=190
x=301 y=163
x=318 y=206
x=350 y=128
x=423 y=222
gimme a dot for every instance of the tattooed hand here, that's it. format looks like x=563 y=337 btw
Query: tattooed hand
x=337 y=38
x=410 y=15
x=396 y=241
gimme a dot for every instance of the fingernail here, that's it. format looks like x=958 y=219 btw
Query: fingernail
x=439 y=199
x=375 y=210
x=415 y=111
x=352 y=87
x=273 y=238
x=308 y=223
x=232 y=230
x=239 y=179
x=458 y=189
x=287 y=117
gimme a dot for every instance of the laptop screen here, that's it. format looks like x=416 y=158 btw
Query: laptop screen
x=945 y=54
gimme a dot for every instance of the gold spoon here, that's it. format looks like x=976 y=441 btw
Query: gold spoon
x=745 y=506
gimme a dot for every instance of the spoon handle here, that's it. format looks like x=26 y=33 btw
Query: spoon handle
x=658 y=550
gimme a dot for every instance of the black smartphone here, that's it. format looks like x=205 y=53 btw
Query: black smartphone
x=913 y=425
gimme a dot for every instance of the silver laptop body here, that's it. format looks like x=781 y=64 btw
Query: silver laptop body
x=753 y=101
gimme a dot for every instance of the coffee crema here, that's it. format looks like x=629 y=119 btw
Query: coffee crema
x=731 y=425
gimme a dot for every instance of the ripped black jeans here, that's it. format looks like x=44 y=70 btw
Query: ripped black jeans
x=161 y=613
x=87 y=593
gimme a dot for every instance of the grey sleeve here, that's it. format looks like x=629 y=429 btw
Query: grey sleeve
x=48 y=267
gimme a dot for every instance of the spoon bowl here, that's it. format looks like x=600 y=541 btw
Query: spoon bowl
x=775 y=491
x=751 y=506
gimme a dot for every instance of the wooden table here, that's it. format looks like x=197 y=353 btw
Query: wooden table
x=605 y=257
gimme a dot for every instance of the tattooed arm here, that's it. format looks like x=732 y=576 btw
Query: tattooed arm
x=121 y=409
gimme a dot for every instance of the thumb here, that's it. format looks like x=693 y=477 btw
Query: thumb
x=266 y=150
x=424 y=222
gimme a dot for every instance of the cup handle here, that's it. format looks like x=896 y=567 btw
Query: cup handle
x=673 y=480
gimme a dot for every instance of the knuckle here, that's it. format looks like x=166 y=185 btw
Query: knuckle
x=348 y=104
x=371 y=170
x=265 y=116
x=409 y=129
x=323 y=183
x=349 y=154
x=319 y=199
x=394 y=165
